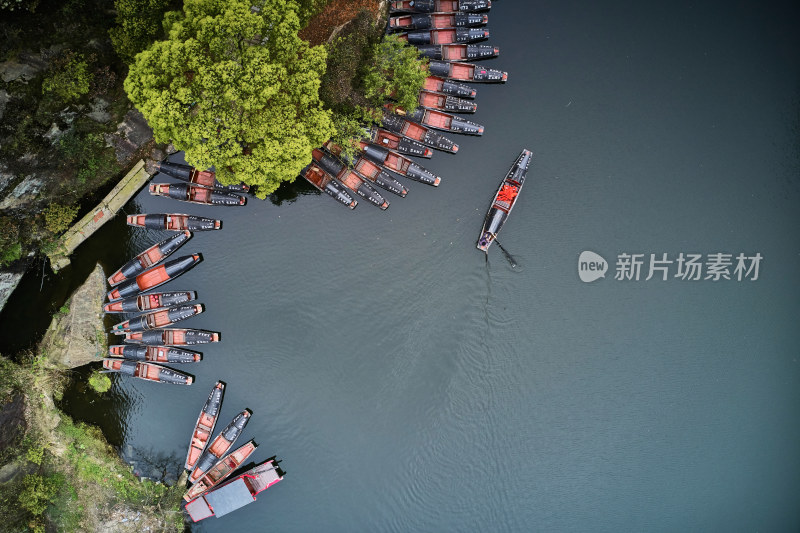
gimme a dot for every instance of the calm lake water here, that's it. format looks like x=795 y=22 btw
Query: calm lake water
x=410 y=385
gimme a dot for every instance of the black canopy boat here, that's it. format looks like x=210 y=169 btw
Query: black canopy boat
x=149 y=302
x=174 y=222
x=325 y=183
x=445 y=36
x=504 y=200
x=204 y=178
x=466 y=72
x=154 y=277
x=458 y=52
x=195 y=194
x=400 y=164
x=431 y=6
x=147 y=371
x=204 y=428
x=220 y=445
x=398 y=143
x=444 y=102
x=440 y=120
x=171 y=337
x=418 y=132
x=431 y=21
x=442 y=85
x=369 y=170
x=154 y=354
x=152 y=256
x=158 y=319
x=349 y=178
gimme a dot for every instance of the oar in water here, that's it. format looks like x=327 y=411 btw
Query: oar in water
x=509 y=257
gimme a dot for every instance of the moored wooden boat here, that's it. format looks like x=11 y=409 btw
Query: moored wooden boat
x=442 y=85
x=458 y=52
x=154 y=354
x=398 y=143
x=325 y=183
x=154 y=277
x=174 y=222
x=171 y=337
x=504 y=200
x=149 y=302
x=195 y=194
x=349 y=178
x=204 y=178
x=400 y=164
x=370 y=170
x=444 y=102
x=158 y=319
x=440 y=120
x=204 y=428
x=446 y=36
x=431 y=21
x=220 y=446
x=152 y=256
x=236 y=493
x=418 y=132
x=221 y=470
x=431 y=6
x=466 y=72
x=147 y=371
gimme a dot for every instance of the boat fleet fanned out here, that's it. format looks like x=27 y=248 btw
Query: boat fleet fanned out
x=449 y=33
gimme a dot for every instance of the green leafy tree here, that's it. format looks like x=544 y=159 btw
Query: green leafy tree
x=139 y=25
x=396 y=71
x=236 y=88
x=68 y=78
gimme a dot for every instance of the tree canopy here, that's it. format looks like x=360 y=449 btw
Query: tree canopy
x=236 y=88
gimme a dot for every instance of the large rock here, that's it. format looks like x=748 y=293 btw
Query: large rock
x=79 y=337
x=12 y=420
x=132 y=134
x=8 y=282
x=24 y=193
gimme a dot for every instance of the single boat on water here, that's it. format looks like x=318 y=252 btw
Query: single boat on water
x=152 y=256
x=466 y=72
x=447 y=36
x=154 y=277
x=174 y=222
x=432 y=21
x=458 y=52
x=322 y=181
x=398 y=143
x=349 y=178
x=444 y=102
x=204 y=178
x=400 y=164
x=442 y=85
x=236 y=493
x=204 y=428
x=370 y=170
x=154 y=354
x=158 y=319
x=418 y=132
x=149 y=302
x=504 y=200
x=440 y=120
x=221 y=470
x=171 y=337
x=431 y=6
x=220 y=446
x=195 y=194
x=147 y=371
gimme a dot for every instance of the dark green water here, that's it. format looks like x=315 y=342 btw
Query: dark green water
x=408 y=385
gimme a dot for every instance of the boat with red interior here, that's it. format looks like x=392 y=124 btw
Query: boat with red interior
x=400 y=164
x=147 y=371
x=445 y=102
x=220 y=445
x=158 y=319
x=398 y=143
x=466 y=72
x=204 y=178
x=149 y=302
x=439 y=120
x=369 y=170
x=431 y=6
x=204 y=428
x=504 y=200
x=325 y=183
x=349 y=178
x=430 y=21
x=418 y=132
x=171 y=337
x=152 y=256
x=154 y=277
x=442 y=85
x=445 y=36
x=221 y=470
x=195 y=194
x=154 y=354
x=174 y=222
x=458 y=52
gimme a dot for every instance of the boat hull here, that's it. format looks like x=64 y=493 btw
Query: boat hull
x=458 y=52
x=203 y=178
x=204 y=428
x=171 y=337
x=437 y=21
x=149 y=302
x=154 y=354
x=221 y=470
x=349 y=178
x=417 y=132
x=174 y=222
x=323 y=182
x=399 y=164
x=154 y=277
x=147 y=371
x=398 y=143
x=445 y=102
x=150 y=257
x=220 y=446
x=442 y=85
x=158 y=319
x=195 y=194
x=444 y=121
x=466 y=72
x=504 y=200
x=431 y=6
x=445 y=36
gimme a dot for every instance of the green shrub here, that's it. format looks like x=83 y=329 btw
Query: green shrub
x=68 y=78
x=38 y=492
x=395 y=71
x=100 y=382
x=139 y=25
x=57 y=217
x=10 y=254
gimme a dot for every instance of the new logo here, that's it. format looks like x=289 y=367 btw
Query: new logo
x=591 y=266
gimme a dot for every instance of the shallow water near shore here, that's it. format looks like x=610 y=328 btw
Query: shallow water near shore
x=407 y=384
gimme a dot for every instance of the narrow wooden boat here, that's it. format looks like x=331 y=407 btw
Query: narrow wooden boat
x=466 y=72
x=325 y=183
x=398 y=143
x=155 y=354
x=458 y=52
x=448 y=36
x=442 y=85
x=504 y=200
x=370 y=170
x=152 y=256
x=171 y=337
x=147 y=371
x=204 y=428
x=158 y=319
x=400 y=164
x=154 y=277
x=349 y=178
x=431 y=6
x=418 y=132
x=431 y=21
x=195 y=194
x=444 y=102
x=220 y=446
x=221 y=470
x=236 y=493
x=439 y=120
x=174 y=222
x=149 y=302
x=204 y=178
